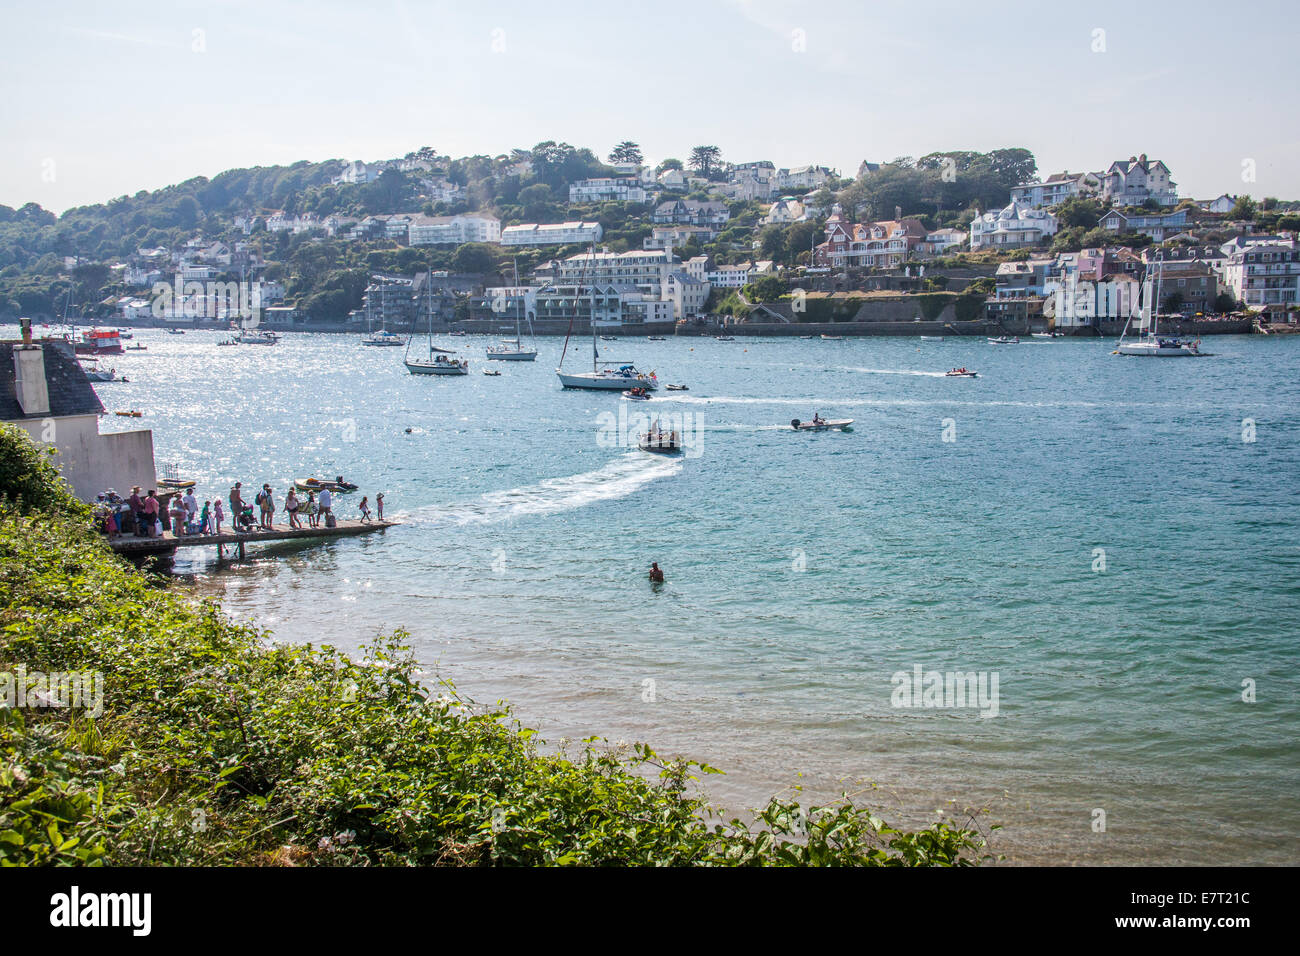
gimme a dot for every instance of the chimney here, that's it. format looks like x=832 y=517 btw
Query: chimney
x=26 y=326
x=29 y=377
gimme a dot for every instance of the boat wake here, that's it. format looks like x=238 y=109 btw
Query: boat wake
x=887 y=371
x=619 y=479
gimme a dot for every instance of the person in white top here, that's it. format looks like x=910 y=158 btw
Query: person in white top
x=323 y=503
x=191 y=506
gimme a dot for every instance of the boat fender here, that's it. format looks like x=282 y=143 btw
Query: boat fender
x=794 y=423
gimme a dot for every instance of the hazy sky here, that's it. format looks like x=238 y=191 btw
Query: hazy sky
x=102 y=99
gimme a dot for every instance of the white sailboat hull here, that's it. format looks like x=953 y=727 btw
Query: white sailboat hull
x=606 y=381
x=416 y=367
x=511 y=356
x=1159 y=350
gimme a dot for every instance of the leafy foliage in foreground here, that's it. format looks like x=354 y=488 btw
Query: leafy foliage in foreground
x=216 y=747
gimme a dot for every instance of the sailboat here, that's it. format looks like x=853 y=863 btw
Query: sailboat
x=613 y=376
x=1149 y=342
x=512 y=350
x=439 y=361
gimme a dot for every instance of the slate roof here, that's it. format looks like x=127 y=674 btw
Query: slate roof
x=70 y=390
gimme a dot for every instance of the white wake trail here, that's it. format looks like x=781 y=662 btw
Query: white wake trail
x=620 y=478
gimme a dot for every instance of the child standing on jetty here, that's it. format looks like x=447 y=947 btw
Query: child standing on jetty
x=218 y=516
x=379 y=506
x=291 y=506
x=364 y=508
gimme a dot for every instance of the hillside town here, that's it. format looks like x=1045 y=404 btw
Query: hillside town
x=680 y=247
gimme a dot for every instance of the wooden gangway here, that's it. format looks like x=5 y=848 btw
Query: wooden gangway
x=132 y=546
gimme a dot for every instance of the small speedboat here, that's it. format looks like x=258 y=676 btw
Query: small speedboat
x=677 y=388
x=1003 y=340
x=178 y=483
x=832 y=338
x=175 y=331
x=637 y=395
x=136 y=348
x=659 y=442
x=491 y=371
x=724 y=338
x=316 y=484
x=609 y=338
x=656 y=338
x=932 y=338
x=821 y=424
x=131 y=414
x=961 y=373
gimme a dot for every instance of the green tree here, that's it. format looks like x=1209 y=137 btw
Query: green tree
x=626 y=152
x=706 y=160
x=1245 y=208
x=474 y=257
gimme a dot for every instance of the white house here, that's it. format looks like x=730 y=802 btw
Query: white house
x=1224 y=203
x=1265 y=275
x=45 y=392
x=1133 y=181
x=802 y=177
x=1056 y=189
x=607 y=190
x=439 y=230
x=687 y=293
x=1013 y=227
x=785 y=210
x=551 y=234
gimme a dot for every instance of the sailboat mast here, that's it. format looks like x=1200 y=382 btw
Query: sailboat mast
x=595 y=356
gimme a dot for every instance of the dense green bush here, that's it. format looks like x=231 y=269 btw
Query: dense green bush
x=217 y=747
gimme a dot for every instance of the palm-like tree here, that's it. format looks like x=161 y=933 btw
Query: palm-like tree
x=705 y=159
x=626 y=152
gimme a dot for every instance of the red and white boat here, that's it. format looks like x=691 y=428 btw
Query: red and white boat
x=98 y=342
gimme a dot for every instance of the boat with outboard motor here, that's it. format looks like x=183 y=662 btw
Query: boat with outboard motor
x=637 y=394
x=659 y=441
x=1004 y=340
x=962 y=372
x=819 y=424
x=319 y=484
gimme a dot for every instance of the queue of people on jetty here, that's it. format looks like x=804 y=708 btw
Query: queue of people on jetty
x=144 y=514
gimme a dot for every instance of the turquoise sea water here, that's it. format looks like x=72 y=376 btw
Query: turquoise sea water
x=804 y=570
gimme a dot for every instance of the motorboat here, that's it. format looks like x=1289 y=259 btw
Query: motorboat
x=821 y=424
x=383 y=339
x=677 y=388
x=99 y=342
x=609 y=338
x=136 y=348
x=659 y=441
x=932 y=338
x=637 y=395
x=832 y=338
x=131 y=414
x=1004 y=340
x=656 y=338
x=318 y=484
x=253 y=337
x=491 y=371
x=174 y=331
x=961 y=373
x=724 y=338
x=96 y=374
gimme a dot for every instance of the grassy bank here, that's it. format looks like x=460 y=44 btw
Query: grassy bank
x=214 y=747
